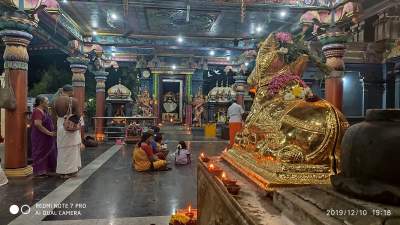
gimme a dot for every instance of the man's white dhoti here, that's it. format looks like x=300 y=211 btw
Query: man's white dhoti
x=3 y=178
x=69 y=149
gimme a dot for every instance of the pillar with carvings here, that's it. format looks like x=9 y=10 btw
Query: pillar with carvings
x=334 y=48
x=156 y=97
x=189 y=97
x=78 y=67
x=240 y=87
x=15 y=31
x=101 y=77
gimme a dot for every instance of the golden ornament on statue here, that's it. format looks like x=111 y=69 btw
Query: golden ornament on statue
x=291 y=137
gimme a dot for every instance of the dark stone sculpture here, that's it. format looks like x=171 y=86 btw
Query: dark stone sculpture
x=370 y=165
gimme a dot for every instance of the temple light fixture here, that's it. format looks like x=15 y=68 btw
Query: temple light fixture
x=212 y=52
x=94 y=32
x=180 y=39
x=113 y=54
x=65 y=1
x=259 y=29
x=112 y=48
x=228 y=58
x=283 y=13
x=174 y=67
x=114 y=16
x=228 y=52
x=246 y=63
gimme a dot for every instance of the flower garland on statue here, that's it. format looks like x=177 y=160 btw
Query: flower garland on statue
x=290 y=50
x=298 y=89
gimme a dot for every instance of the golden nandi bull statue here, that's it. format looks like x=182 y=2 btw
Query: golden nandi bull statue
x=290 y=137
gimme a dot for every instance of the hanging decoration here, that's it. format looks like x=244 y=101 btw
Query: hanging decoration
x=243 y=11
x=187 y=11
x=126 y=7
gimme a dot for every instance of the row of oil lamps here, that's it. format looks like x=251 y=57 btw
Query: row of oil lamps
x=230 y=184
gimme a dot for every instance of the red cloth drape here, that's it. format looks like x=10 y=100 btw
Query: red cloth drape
x=233 y=129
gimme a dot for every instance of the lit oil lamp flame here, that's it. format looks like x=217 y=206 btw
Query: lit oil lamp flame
x=202 y=155
x=223 y=176
x=211 y=166
x=190 y=208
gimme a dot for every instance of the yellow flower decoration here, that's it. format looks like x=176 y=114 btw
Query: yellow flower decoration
x=297 y=91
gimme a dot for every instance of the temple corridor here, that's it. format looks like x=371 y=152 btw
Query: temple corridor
x=113 y=192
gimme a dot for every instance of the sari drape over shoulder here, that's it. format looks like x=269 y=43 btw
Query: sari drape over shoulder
x=140 y=160
x=44 y=150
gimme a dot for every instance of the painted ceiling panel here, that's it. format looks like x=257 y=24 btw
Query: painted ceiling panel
x=170 y=20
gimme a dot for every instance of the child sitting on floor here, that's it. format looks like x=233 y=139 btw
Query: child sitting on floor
x=182 y=155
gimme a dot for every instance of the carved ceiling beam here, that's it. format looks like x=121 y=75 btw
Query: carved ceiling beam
x=256 y=5
x=172 y=43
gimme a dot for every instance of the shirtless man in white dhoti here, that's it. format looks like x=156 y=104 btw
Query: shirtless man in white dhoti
x=68 y=143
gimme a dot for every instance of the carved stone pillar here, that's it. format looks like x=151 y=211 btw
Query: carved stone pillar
x=189 y=112
x=189 y=107
x=358 y=32
x=334 y=50
x=101 y=77
x=387 y=25
x=78 y=67
x=365 y=87
x=15 y=32
x=157 y=98
x=240 y=88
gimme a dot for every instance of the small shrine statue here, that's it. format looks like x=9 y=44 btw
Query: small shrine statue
x=221 y=118
x=170 y=102
x=145 y=103
x=198 y=107
x=119 y=114
x=290 y=135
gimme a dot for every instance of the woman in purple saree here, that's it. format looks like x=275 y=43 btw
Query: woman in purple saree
x=44 y=150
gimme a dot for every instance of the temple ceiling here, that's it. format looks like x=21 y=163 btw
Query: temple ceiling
x=127 y=28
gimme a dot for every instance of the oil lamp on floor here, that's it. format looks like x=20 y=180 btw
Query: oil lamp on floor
x=186 y=216
x=100 y=137
x=189 y=213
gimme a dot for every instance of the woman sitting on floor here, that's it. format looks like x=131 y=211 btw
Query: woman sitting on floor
x=143 y=157
x=162 y=150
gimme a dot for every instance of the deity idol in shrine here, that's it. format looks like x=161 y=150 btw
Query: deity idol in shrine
x=290 y=135
x=198 y=106
x=145 y=103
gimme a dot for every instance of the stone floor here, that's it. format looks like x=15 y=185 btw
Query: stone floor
x=108 y=191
